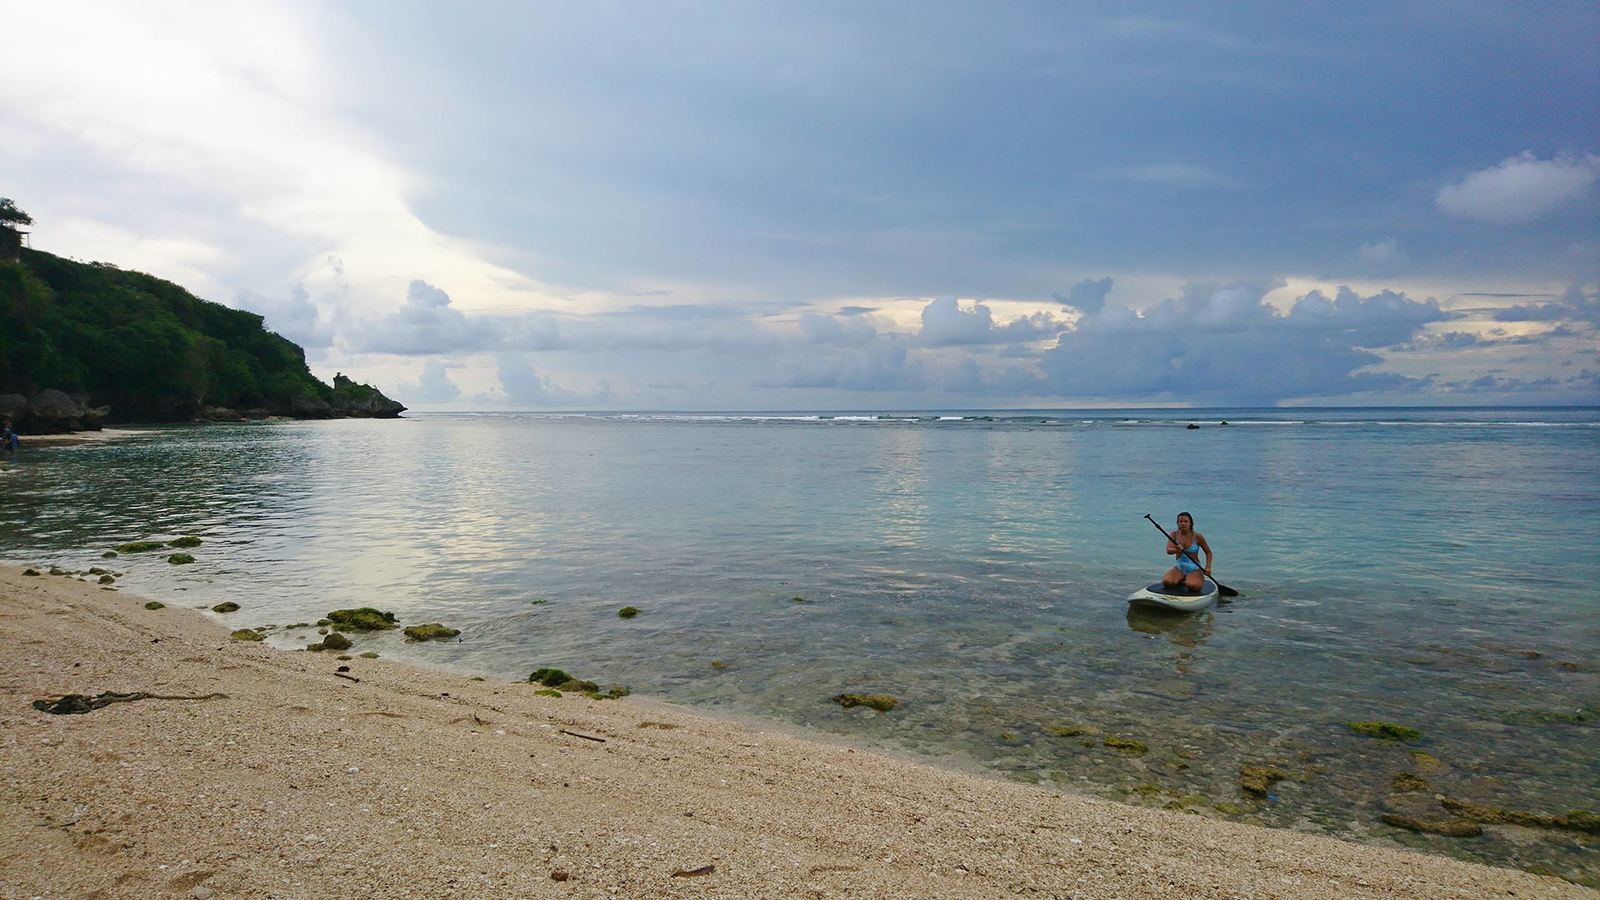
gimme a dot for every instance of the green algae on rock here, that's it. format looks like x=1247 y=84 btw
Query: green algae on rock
x=57 y=570
x=140 y=547
x=106 y=579
x=433 y=631
x=718 y=664
x=185 y=542
x=155 y=604
x=247 y=634
x=556 y=678
x=547 y=692
x=548 y=677
x=109 y=554
x=1229 y=808
x=226 y=606
x=1126 y=745
x=32 y=573
x=614 y=692
x=1258 y=779
x=1388 y=731
x=799 y=600
x=1446 y=827
x=1072 y=730
x=180 y=559
x=369 y=655
x=363 y=619
x=334 y=641
x=880 y=702
x=1576 y=820
x=627 y=612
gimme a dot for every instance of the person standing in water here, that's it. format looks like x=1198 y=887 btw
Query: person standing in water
x=1187 y=570
x=8 y=438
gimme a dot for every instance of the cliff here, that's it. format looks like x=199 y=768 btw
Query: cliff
x=83 y=344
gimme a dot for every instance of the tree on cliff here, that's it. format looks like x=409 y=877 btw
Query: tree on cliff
x=10 y=215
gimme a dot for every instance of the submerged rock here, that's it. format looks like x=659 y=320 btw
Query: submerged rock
x=1388 y=731
x=247 y=634
x=363 y=619
x=433 y=631
x=109 y=554
x=1072 y=730
x=628 y=612
x=155 y=604
x=1576 y=820
x=719 y=665
x=32 y=573
x=106 y=579
x=880 y=702
x=1407 y=783
x=180 y=559
x=1258 y=779
x=369 y=655
x=1127 y=745
x=1446 y=827
x=140 y=546
x=226 y=606
x=185 y=542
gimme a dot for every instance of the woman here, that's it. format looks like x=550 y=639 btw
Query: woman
x=1187 y=571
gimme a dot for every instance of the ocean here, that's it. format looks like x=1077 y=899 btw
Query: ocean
x=1432 y=568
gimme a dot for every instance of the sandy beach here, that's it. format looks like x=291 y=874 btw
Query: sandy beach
x=283 y=779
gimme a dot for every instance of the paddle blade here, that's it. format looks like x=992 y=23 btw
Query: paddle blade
x=1224 y=590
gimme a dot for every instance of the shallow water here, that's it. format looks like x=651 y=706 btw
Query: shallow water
x=1434 y=568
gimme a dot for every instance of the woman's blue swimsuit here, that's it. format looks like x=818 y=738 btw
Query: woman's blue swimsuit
x=1184 y=564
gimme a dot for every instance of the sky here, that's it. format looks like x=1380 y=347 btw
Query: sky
x=842 y=205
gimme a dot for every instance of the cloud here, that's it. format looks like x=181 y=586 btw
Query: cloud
x=294 y=316
x=426 y=324
x=523 y=385
x=1576 y=304
x=881 y=366
x=1382 y=253
x=946 y=324
x=432 y=386
x=821 y=329
x=1087 y=296
x=1225 y=343
x=1520 y=188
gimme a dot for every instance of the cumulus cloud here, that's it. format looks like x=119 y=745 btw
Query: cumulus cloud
x=432 y=386
x=946 y=324
x=1226 y=343
x=294 y=316
x=523 y=384
x=821 y=329
x=1576 y=305
x=426 y=324
x=1520 y=188
x=1088 y=295
x=880 y=366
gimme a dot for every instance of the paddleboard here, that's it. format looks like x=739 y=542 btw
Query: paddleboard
x=1180 y=598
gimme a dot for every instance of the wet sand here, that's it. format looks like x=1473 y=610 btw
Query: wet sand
x=78 y=437
x=408 y=782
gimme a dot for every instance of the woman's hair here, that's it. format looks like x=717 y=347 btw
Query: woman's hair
x=1191 y=518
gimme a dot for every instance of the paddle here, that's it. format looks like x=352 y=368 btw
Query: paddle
x=1221 y=588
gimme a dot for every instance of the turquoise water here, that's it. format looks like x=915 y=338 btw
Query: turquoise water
x=1433 y=568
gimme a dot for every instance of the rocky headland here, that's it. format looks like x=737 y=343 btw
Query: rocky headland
x=84 y=345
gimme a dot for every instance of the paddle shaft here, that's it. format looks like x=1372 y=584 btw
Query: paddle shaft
x=1185 y=551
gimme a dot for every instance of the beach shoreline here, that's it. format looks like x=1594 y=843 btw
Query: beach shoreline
x=405 y=781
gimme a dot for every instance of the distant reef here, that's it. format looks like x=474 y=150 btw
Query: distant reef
x=88 y=344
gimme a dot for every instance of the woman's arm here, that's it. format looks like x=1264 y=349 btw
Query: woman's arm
x=1211 y=558
x=1172 y=544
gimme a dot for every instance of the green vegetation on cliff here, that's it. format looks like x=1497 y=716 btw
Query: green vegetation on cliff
x=150 y=350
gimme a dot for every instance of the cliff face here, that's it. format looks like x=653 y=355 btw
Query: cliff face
x=86 y=343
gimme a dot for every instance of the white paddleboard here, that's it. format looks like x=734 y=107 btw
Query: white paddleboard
x=1180 y=598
